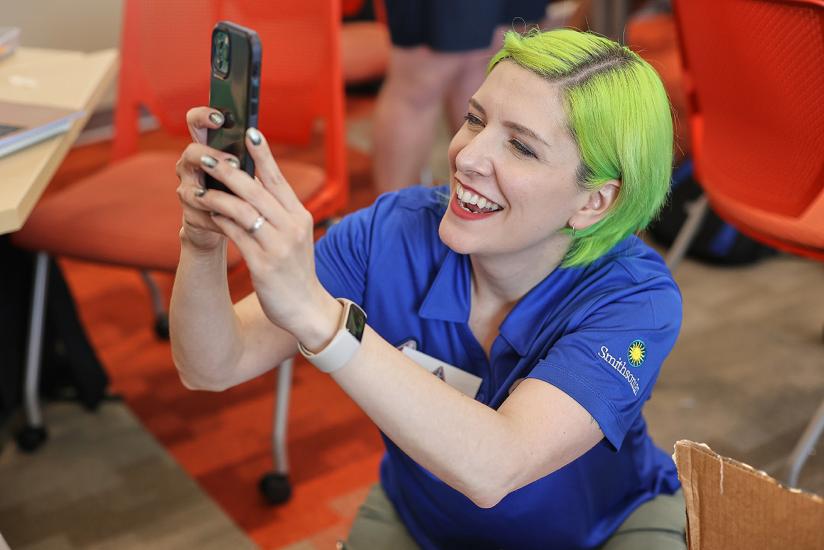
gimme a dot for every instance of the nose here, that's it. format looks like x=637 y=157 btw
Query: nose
x=474 y=157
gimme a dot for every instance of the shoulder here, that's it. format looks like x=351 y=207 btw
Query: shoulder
x=410 y=215
x=395 y=210
x=633 y=276
x=414 y=202
x=398 y=225
x=638 y=260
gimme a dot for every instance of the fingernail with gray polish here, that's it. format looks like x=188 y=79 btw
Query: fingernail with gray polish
x=200 y=192
x=254 y=136
x=216 y=118
x=208 y=161
x=233 y=162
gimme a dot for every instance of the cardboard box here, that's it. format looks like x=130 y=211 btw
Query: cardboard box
x=731 y=505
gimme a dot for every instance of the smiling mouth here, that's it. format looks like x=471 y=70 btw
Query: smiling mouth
x=474 y=203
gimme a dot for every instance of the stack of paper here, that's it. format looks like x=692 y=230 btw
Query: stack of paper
x=22 y=125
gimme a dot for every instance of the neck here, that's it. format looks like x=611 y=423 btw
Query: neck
x=506 y=278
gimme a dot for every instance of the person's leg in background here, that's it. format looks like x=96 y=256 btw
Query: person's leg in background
x=437 y=50
x=659 y=524
x=407 y=113
x=469 y=78
x=440 y=51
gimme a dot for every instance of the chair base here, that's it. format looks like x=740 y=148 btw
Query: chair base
x=30 y=438
x=805 y=446
x=274 y=485
x=275 y=488
x=696 y=211
x=161 y=326
x=34 y=434
x=161 y=315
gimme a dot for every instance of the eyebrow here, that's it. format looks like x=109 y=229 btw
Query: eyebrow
x=509 y=124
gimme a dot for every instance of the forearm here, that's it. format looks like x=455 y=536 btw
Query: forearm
x=465 y=443
x=205 y=332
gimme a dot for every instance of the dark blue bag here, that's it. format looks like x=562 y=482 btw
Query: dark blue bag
x=716 y=242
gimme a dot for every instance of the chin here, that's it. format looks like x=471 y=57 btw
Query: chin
x=454 y=237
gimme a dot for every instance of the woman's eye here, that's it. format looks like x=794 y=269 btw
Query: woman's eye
x=522 y=149
x=472 y=120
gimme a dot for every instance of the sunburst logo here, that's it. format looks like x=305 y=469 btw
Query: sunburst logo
x=636 y=353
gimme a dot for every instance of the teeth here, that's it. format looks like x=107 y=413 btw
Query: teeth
x=468 y=197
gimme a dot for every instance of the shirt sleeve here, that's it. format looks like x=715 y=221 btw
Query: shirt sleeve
x=342 y=255
x=611 y=360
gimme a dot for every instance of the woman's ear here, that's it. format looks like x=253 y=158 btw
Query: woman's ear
x=597 y=205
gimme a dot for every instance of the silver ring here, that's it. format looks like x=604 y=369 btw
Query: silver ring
x=257 y=225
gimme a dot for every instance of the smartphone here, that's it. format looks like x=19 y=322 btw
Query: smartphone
x=233 y=90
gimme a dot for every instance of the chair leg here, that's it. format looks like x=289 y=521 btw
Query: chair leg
x=158 y=308
x=34 y=433
x=284 y=390
x=696 y=211
x=275 y=485
x=805 y=446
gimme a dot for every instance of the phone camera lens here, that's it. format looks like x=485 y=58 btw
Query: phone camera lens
x=220 y=54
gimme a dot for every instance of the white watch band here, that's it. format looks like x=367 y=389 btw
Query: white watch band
x=340 y=350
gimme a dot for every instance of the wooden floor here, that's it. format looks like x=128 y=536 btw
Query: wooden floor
x=745 y=375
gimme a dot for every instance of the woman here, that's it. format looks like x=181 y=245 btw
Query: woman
x=521 y=286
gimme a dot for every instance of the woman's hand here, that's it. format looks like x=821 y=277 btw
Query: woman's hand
x=198 y=228
x=272 y=230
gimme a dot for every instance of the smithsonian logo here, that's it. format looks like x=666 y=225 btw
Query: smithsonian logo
x=636 y=353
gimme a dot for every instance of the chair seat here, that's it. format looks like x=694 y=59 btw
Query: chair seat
x=119 y=216
x=805 y=231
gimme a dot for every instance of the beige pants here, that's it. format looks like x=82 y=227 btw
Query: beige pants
x=656 y=525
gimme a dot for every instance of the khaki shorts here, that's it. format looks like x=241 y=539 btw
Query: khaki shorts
x=656 y=525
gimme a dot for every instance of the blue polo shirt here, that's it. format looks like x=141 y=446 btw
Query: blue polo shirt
x=599 y=333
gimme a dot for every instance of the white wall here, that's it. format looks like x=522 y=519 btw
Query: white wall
x=84 y=25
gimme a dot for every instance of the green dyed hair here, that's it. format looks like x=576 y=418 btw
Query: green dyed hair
x=618 y=114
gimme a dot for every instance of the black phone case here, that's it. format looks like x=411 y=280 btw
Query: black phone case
x=235 y=95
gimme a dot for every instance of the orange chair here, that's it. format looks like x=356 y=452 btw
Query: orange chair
x=364 y=44
x=364 y=51
x=128 y=214
x=754 y=73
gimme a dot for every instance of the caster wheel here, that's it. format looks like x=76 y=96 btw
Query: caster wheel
x=275 y=488
x=30 y=438
x=161 y=327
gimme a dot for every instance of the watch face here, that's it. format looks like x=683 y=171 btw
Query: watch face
x=356 y=321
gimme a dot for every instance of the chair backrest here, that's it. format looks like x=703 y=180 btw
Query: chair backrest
x=351 y=7
x=165 y=68
x=755 y=81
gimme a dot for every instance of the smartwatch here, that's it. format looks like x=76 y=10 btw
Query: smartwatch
x=346 y=342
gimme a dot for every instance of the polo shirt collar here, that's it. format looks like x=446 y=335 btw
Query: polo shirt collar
x=449 y=296
x=449 y=299
x=525 y=322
